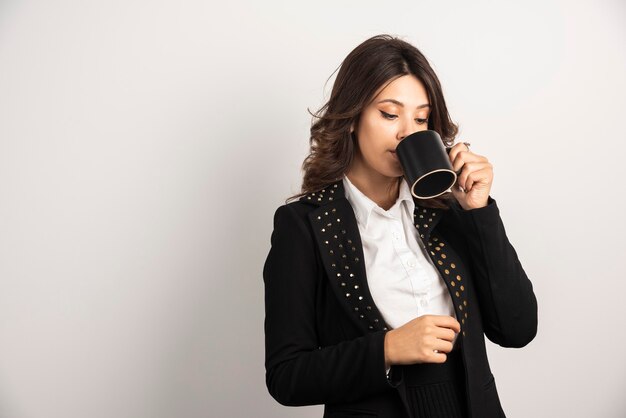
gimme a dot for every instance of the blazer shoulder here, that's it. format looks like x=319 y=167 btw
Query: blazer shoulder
x=312 y=201
x=295 y=212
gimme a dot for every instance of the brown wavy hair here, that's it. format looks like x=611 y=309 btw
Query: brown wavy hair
x=377 y=61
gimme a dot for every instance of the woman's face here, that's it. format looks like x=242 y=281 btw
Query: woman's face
x=398 y=110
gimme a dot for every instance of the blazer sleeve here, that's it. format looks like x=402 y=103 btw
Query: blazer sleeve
x=298 y=370
x=507 y=302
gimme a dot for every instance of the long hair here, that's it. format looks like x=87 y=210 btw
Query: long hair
x=377 y=61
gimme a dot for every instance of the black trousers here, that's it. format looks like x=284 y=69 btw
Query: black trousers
x=437 y=390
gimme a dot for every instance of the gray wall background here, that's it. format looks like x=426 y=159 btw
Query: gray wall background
x=144 y=146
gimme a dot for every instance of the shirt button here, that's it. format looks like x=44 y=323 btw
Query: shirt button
x=424 y=303
x=411 y=263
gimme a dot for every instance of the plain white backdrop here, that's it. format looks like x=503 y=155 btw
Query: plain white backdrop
x=144 y=146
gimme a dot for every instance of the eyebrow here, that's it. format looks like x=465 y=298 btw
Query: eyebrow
x=402 y=104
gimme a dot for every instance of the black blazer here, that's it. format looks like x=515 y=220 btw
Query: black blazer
x=324 y=336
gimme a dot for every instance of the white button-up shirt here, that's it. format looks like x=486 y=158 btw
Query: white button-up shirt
x=402 y=278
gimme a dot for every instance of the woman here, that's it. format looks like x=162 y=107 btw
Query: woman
x=376 y=302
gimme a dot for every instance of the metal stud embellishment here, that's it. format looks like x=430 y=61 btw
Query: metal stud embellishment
x=342 y=254
x=443 y=255
x=322 y=196
x=425 y=221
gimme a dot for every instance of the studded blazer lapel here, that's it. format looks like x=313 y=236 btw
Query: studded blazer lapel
x=337 y=235
x=450 y=266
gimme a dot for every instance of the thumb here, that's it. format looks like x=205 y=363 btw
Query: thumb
x=457 y=191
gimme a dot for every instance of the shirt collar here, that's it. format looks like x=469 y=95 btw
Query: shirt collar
x=363 y=205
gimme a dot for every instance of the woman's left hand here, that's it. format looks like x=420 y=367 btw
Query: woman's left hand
x=474 y=180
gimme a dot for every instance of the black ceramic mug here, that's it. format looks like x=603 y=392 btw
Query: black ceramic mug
x=426 y=164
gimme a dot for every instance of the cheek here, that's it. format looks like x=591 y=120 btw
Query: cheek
x=375 y=152
x=376 y=135
x=378 y=125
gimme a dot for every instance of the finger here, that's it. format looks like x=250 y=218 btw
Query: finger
x=456 y=148
x=462 y=157
x=442 y=346
x=469 y=183
x=444 y=334
x=454 y=151
x=457 y=189
x=479 y=176
x=459 y=160
x=438 y=357
x=469 y=168
x=446 y=321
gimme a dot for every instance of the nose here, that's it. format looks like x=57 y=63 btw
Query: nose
x=408 y=127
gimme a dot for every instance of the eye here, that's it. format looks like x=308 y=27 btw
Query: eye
x=388 y=116
x=392 y=117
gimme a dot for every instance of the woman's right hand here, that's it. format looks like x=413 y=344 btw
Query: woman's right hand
x=415 y=341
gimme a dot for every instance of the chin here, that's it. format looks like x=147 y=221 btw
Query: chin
x=392 y=173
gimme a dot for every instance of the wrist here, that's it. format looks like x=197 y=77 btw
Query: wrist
x=388 y=349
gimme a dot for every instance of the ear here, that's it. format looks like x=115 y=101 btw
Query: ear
x=352 y=128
